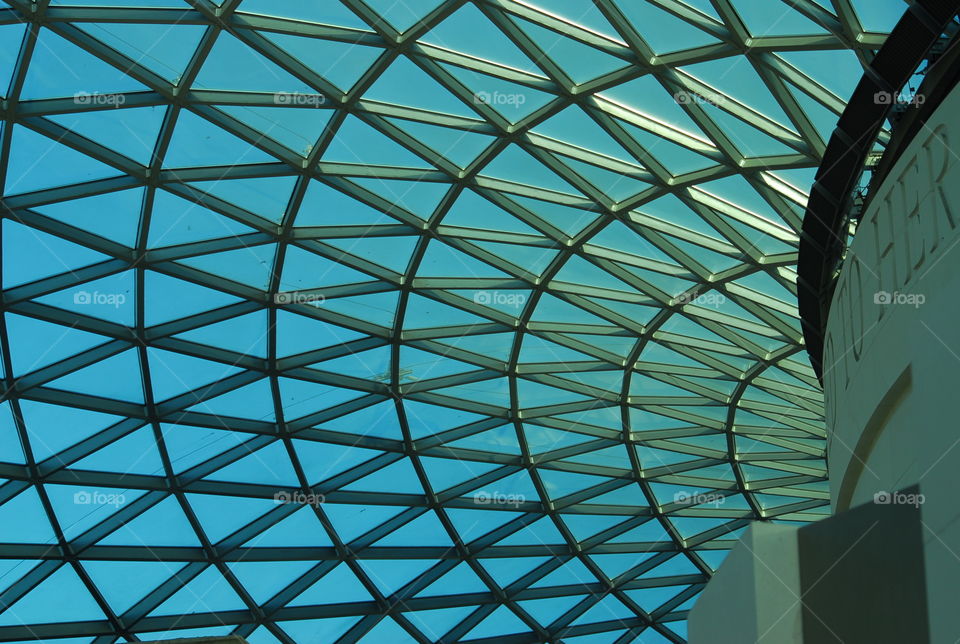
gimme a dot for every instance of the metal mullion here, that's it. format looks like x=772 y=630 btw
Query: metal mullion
x=59 y=134
x=70 y=365
x=347 y=231
x=464 y=378
x=241 y=19
x=778 y=202
x=601 y=160
x=790 y=73
x=610 y=315
x=115 y=521
x=305 y=430
x=430 y=441
x=677 y=600
x=205 y=247
x=231 y=455
x=562 y=27
x=581 y=427
x=661 y=129
x=678 y=447
x=357 y=472
x=496 y=12
x=161 y=593
x=651 y=368
x=576 y=327
x=768 y=409
x=753 y=220
x=614 y=531
x=642 y=223
x=658 y=173
x=112 y=57
x=499 y=191
x=791 y=107
x=749 y=253
x=672 y=83
x=174 y=184
x=789 y=486
x=275 y=54
x=610 y=359
x=464 y=488
x=467 y=454
x=569 y=385
x=66 y=192
x=62 y=281
x=66 y=231
x=423 y=115
x=431 y=52
x=683 y=415
x=696 y=17
x=639 y=284
x=193 y=397
x=554 y=463
x=693 y=347
x=181 y=176
x=694 y=388
x=88 y=446
x=532 y=369
x=764 y=312
x=572 y=177
x=177 y=416
x=331 y=352
x=45 y=107
x=741 y=111
x=456 y=633
x=19 y=588
x=252 y=136
x=411 y=143
x=484 y=255
x=561 y=503
x=694 y=268
x=350 y=260
x=199 y=320
x=358 y=544
x=459 y=330
x=151 y=15
x=530 y=413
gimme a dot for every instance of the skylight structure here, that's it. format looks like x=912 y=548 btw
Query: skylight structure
x=404 y=320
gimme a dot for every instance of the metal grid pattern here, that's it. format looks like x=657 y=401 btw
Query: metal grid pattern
x=387 y=321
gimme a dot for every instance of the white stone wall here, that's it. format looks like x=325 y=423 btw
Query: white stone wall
x=892 y=355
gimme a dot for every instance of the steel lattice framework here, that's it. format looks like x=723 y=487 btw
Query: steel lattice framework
x=504 y=291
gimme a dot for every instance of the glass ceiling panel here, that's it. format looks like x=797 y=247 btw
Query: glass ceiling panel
x=403 y=320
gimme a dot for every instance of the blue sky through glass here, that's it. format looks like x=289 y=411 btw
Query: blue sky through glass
x=404 y=321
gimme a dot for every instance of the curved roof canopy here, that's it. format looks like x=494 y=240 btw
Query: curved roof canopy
x=404 y=320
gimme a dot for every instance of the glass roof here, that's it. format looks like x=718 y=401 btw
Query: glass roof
x=392 y=320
